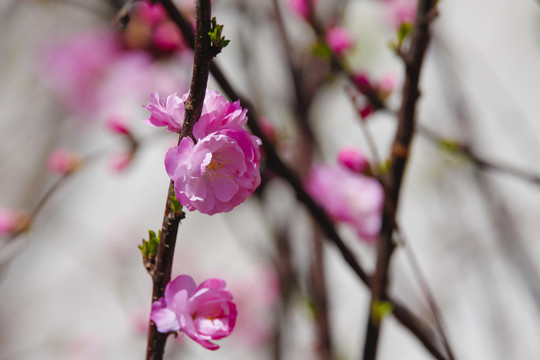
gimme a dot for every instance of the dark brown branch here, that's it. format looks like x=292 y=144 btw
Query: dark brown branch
x=399 y=156
x=193 y=108
x=407 y=318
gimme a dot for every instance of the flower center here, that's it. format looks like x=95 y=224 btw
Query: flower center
x=213 y=170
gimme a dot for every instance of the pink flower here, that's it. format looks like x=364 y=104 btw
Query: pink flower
x=166 y=112
x=222 y=169
x=400 y=11
x=149 y=13
x=301 y=7
x=218 y=173
x=387 y=83
x=353 y=159
x=203 y=313
x=216 y=113
x=167 y=37
x=12 y=221
x=117 y=125
x=338 y=39
x=75 y=68
x=349 y=197
x=63 y=161
x=118 y=162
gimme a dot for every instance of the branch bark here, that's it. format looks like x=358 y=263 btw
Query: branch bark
x=401 y=145
x=193 y=108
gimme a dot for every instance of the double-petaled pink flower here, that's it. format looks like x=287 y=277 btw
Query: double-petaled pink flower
x=349 y=197
x=220 y=170
x=205 y=312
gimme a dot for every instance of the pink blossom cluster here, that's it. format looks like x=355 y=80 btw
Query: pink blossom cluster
x=95 y=75
x=220 y=169
x=383 y=87
x=347 y=195
x=151 y=29
x=205 y=312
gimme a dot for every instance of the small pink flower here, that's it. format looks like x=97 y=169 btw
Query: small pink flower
x=400 y=11
x=216 y=113
x=301 y=7
x=150 y=13
x=218 y=173
x=353 y=159
x=12 y=221
x=118 y=162
x=203 y=313
x=338 y=39
x=167 y=37
x=387 y=83
x=349 y=197
x=166 y=112
x=365 y=111
x=362 y=81
x=63 y=161
x=117 y=125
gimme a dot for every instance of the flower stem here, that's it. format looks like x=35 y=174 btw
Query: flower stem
x=171 y=220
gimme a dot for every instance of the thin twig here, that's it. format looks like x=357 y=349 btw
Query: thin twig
x=193 y=108
x=400 y=153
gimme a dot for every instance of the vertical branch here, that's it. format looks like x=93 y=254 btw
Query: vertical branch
x=193 y=108
x=413 y=59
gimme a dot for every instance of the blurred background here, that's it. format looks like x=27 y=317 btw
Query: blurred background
x=74 y=287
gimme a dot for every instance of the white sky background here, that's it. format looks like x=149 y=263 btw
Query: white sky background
x=73 y=286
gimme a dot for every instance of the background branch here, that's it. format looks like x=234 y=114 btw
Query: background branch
x=413 y=59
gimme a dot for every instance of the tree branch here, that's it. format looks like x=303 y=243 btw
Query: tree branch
x=193 y=108
x=399 y=156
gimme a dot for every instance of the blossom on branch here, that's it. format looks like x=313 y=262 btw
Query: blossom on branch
x=221 y=170
x=218 y=173
x=63 y=161
x=349 y=197
x=216 y=113
x=203 y=313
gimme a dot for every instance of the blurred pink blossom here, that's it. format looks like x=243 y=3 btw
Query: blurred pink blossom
x=387 y=82
x=117 y=125
x=63 y=161
x=8 y=221
x=203 y=313
x=150 y=13
x=300 y=7
x=348 y=197
x=338 y=39
x=96 y=77
x=255 y=296
x=400 y=11
x=167 y=37
x=118 y=162
x=353 y=159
